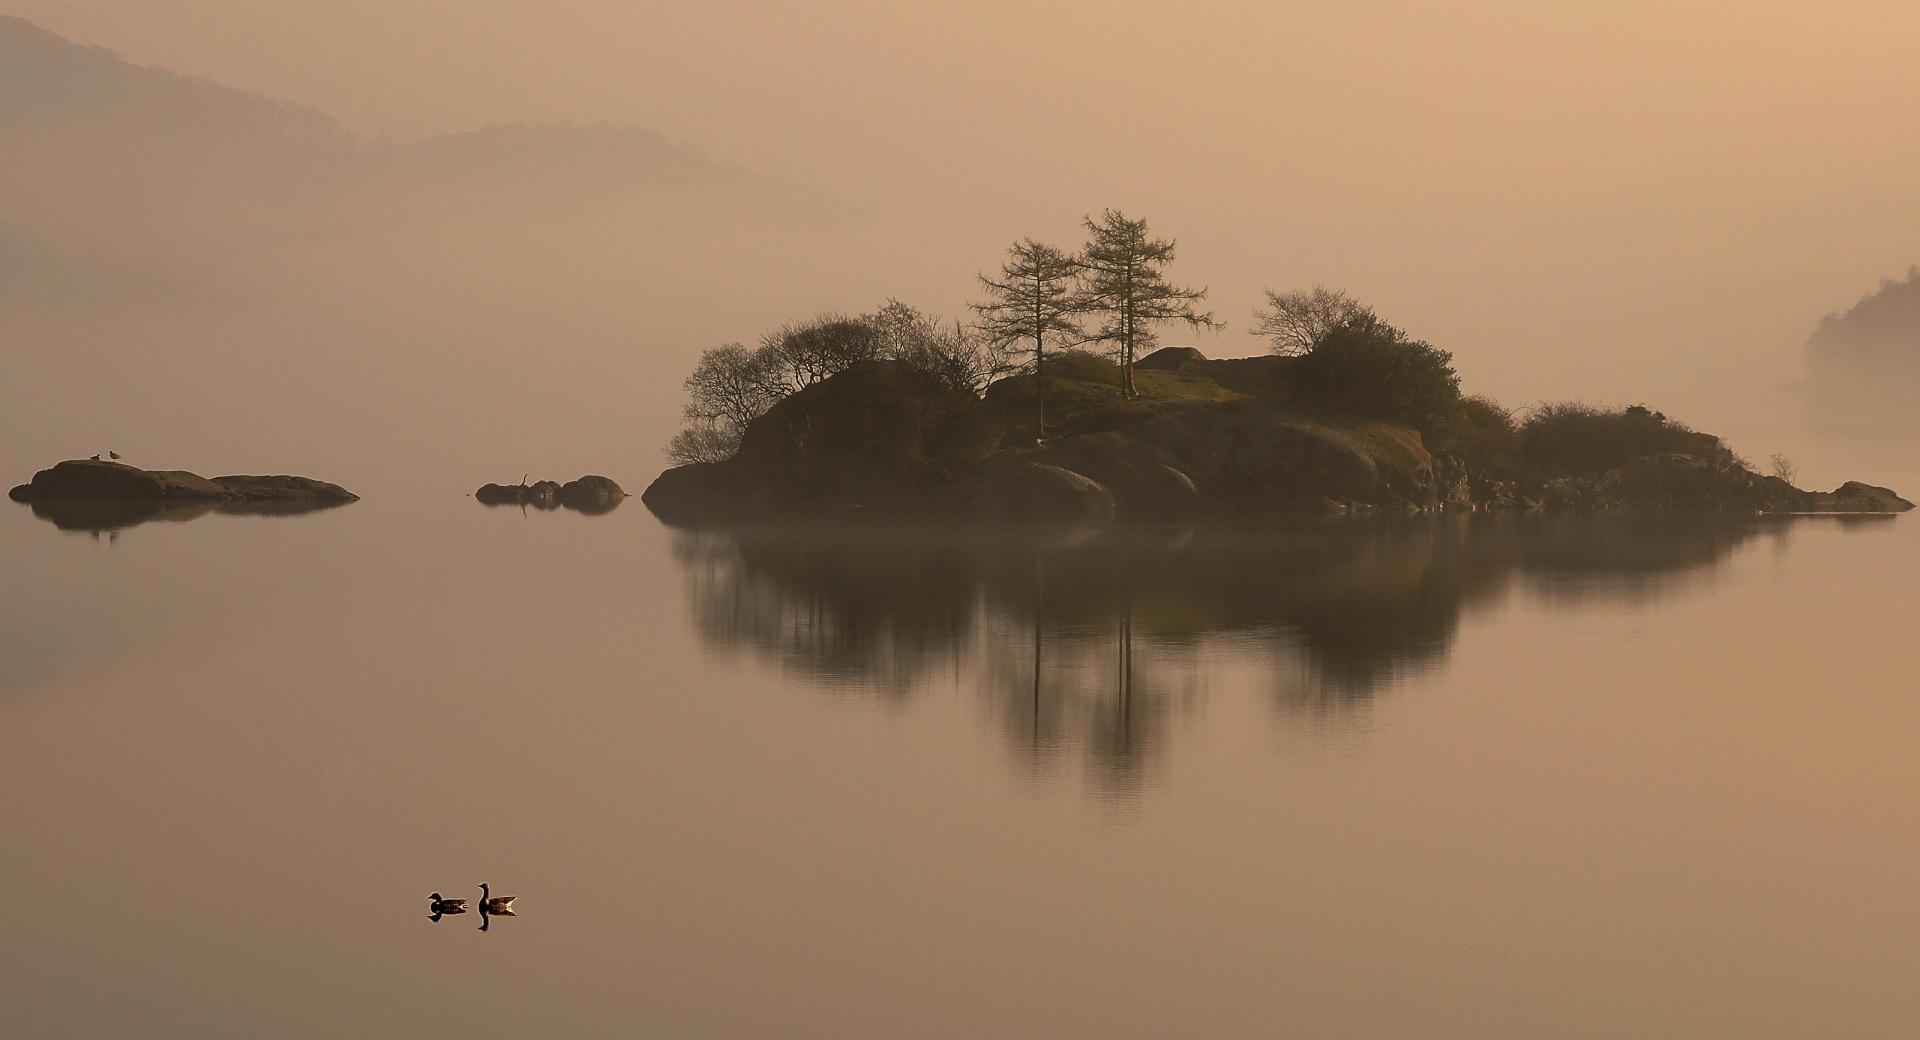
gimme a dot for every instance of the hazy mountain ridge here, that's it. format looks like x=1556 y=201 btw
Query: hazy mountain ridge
x=111 y=139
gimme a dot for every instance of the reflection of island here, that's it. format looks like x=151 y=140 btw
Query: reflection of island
x=108 y=515
x=1093 y=642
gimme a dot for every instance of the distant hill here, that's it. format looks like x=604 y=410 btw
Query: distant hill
x=1881 y=331
x=101 y=139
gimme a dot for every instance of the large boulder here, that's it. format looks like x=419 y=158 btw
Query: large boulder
x=706 y=493
x=882 y=433
x=591 y=494
x=1034 y=492
x=1251 y=458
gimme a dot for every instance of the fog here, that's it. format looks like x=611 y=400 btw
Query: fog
x=313 y=256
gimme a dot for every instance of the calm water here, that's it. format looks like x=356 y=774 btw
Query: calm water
x=1555 y=778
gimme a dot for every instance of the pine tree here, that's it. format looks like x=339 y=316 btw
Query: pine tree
x=1037 y=297
x=1125 y=281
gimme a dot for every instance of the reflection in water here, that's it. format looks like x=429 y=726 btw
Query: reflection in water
x=117 y=515
x=1094 y=642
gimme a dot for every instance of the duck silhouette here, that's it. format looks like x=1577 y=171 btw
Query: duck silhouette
x=440 y=906
x=493 y=906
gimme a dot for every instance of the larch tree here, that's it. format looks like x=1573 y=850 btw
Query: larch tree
x=1037 y=297
x=1125 y=281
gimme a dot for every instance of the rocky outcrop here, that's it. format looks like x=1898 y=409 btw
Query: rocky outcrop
x=91 y=480
x=886 y=439
x=1851 y=497
x=94 y=495
x=588 y=494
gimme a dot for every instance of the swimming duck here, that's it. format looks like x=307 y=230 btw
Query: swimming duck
x=440 y=906
x=498 y=906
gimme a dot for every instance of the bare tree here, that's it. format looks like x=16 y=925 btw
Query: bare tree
x=730 y=388
x=821 y=347
x=1125 y=282
x=1783 y=467
x=1294 y=322
x=1037 y=296
x=703 y=442
x=952 y=353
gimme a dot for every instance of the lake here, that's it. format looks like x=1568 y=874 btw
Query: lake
x=1446 y=777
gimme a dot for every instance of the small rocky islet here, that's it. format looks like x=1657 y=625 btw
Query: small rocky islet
x=93 y=494
x=1209 y=439
x=589 y=494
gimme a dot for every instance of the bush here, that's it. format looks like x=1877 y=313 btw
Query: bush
x=1481 y=435
x=1578 y=439
x=1368 y=368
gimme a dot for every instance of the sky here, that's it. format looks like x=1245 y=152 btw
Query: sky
x=1615 y=201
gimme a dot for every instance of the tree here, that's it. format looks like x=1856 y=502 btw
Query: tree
x=1037 y=296
x=703 y=442
x=822 y=347
x=730 y=388
x=951 y=353
x=1294 y=322
x=1124 y=280
x=1366 y=367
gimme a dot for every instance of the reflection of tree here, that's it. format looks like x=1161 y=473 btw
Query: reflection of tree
x=1092 y=643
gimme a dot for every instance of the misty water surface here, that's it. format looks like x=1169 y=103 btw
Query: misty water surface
x=1576 y=777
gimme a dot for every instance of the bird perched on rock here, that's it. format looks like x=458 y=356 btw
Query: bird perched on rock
x=114 y=455
x=96 y=457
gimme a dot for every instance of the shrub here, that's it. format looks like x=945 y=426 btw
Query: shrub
x=1369 y=368
x=1482 y=435
x=1578 y=439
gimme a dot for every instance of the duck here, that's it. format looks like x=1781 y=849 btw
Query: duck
x=442 y=906
x=498 y=906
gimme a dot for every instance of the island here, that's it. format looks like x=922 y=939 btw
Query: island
x=1204 y=438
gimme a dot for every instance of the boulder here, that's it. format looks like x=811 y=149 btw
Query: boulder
x=591 y=494
x=706 y=492
x=1034 y=492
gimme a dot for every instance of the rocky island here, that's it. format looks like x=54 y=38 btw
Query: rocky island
x=900 y=413
x=91 y=494
x=1202 y=439
x=589 y=494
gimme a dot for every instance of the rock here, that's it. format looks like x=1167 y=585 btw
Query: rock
x=706 y=492
x=101 y=496
x=1854 y=497
x=1034 y=492
x=588 y=494
x=1169 y=359
x=591 y=494
x=88 y=480
x=1255 y=459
